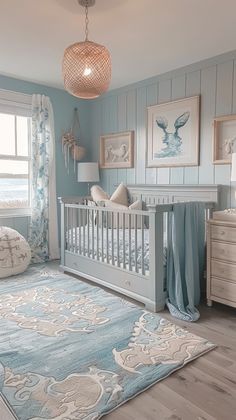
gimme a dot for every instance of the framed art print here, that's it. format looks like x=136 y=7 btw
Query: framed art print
x=173 y=133
x=224 y=139
x=117 y=150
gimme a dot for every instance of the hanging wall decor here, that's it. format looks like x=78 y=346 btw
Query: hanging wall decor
x=224 y=139
x=117 y=150
x=70 y=144
x=173 y=133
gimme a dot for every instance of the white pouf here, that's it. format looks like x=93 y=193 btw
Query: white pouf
x=15 y=253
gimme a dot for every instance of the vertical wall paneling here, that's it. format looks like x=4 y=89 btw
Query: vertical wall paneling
x=122 y=126
x=164 y=95
x=224 y=106
x=178 y=91
x=96 y=131
x=151 y=173
x=126 y=109
x=208 y=98
x=141 y=135
x=131 y=125
x=112 y=128
x=224 y=91
x=104 y=174
x=193 y=87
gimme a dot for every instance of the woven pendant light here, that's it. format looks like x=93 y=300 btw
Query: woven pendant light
x=86 y=65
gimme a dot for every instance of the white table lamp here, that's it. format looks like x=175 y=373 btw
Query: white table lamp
x=87 y=172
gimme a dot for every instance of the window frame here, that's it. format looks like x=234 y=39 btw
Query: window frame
x=18 y=104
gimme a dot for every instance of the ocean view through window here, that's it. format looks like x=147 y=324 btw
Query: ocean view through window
x=14 y=161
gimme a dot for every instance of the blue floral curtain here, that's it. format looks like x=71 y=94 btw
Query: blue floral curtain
x=43 y=236
x=185 y=259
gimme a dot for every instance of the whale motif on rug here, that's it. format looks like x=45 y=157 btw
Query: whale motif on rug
x=72 y=351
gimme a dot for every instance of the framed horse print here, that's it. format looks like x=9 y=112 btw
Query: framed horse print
x=117 y=150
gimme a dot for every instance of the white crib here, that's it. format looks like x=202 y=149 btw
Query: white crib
x=126 y=250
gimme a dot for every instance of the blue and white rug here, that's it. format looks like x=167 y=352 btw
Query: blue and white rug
x=70 y=351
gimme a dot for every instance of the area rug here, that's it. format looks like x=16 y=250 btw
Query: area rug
x=69 y=350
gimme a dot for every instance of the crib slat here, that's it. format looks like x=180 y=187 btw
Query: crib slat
x=67 y=228
x=135 y=243
x=76 y=233
x=97 y=221
x=118 y=239
x=102 y=227
x=142 y=230
x=88 y=229
x=73 y=230
x=123 y=221
x=80 y=221
x=83 y=221
x=112 y=238
x=70 y=229
x=107 y=232
x=92 y=211
x=129 y=224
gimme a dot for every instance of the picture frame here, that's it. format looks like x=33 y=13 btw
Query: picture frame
x=173 y=133
x=224 y=143
x=117 y=150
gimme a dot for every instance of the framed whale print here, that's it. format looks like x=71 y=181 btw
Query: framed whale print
x=173 y=133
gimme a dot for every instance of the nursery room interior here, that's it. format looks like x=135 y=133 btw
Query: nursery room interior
x=117 y=209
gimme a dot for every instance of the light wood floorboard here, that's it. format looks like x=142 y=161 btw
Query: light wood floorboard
x=205 y=389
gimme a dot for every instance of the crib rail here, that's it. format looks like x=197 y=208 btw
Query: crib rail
x=116 y=237
x=130 y=240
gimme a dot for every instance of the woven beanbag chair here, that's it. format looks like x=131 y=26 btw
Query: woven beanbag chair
x=15 y=253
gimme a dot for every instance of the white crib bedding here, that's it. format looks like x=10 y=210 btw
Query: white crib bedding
x=83 y=239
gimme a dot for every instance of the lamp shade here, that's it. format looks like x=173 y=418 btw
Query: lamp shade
x=86 y=69
x=88 y=172
x=233 y=167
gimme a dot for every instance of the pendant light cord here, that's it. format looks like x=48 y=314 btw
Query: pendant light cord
x=86 y=23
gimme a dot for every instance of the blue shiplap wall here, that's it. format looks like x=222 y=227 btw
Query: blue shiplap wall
x=63 y=106
x=126 y=109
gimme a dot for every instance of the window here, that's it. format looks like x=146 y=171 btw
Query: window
x=15 y=156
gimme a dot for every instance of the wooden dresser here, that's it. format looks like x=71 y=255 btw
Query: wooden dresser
x=221 y=262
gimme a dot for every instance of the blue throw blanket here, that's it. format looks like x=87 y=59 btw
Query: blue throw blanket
x=185 y=260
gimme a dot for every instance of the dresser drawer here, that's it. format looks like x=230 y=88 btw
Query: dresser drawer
x=223 y=289
x=223 y=251
x=224 y=270
x=223 y=233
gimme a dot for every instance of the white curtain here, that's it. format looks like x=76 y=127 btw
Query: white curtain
x=43 y=230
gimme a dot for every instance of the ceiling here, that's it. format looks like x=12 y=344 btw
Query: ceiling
x=145 y=37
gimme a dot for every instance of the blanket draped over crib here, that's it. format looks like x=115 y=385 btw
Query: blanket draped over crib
x=185 y=259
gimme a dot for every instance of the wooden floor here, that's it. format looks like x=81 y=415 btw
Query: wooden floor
x=203 y=390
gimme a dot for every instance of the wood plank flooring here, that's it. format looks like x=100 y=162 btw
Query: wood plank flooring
x=203 y=390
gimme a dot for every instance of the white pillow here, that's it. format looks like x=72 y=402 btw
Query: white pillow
x=15 y=253
x=98 y=194
x=137 y=205
x=120 y=195
x=113 y=205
